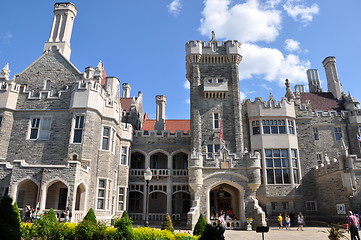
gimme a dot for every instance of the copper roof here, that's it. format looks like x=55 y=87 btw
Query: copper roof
x=322 y=101
x=170 y=125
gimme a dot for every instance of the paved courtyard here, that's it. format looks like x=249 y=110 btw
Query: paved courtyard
x=309 y=233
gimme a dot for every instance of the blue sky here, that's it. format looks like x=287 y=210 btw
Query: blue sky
x=143 y=42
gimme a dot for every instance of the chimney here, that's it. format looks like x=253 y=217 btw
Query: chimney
x=126 y=90
x=333 y=83
x=61 y=29
x=314 y=83
x=161 y=101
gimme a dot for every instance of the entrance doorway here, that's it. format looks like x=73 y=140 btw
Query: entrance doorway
x=224 y=199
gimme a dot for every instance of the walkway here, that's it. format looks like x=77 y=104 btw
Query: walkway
x=309 y=233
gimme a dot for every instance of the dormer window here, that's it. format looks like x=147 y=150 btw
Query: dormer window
x=220 y=80
x=209 y=80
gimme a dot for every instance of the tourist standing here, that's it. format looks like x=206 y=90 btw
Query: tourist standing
x=352 y=226
x=221 y=225
x=287 y=222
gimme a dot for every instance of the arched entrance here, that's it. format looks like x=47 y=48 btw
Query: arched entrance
x=181 y=204
x=137 y=161
x=57 y=195
x=27 y=194
x=158 y=161
x=80 y=197
x=226 y=199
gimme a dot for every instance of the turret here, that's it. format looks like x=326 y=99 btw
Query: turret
x=61 y=29
x=333 y=82
x=314 y=80
x=160 y=121
x=126 y=90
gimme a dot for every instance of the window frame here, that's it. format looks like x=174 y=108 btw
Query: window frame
x=103 y=189
x=40 y=128
x=215 y=147
x=121 y=198
x=1 y=120
x=316 y=135
x=216 y=120
x=78 y=127
x=337 y=134
x=312 y=204
x=123 y=155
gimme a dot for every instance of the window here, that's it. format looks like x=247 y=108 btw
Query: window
x=108 y=139
x=215 y=120
x=220 y=80
x=319 y=158
x=296 y=178
x=273 y=206
x=121 y=199
x=101 y=194
x=78 y=129
x=255 y=127
x=40 y=128
x=311 y=206
x=291 y=128
x=315 y=134
x=277 y=166
x=338 y=133
x=123 y=156
x=1 y=120
x=212 y=148
x=274 y=126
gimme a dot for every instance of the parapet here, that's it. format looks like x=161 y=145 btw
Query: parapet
x=213 y=47
x=270 y=108
x=160 y=134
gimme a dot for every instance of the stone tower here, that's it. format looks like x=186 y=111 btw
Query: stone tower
x=333 y=82
x=61 y=29
x=314 y=80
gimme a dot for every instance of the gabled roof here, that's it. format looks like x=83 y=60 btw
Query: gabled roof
x=170 y=125
x=126 y=104
x=322 y=101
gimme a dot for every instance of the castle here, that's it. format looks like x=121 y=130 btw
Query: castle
x=72 y=138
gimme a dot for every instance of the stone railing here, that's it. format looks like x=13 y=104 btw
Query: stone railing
x=180 y=172
x=230 y=224
x=160 y=172
x=156 y=216
x=136 y=216
x=77 y=216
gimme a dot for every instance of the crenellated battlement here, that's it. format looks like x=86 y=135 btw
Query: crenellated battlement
x=341 y=114
x=271 y=107
x=9 y=86
x=213 y=47
x=160 y=134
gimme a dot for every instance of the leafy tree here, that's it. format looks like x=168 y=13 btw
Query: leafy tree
x=167 y=223
x=124 y=226
x=9 y=222
x=16 y=210
x=46 y=226
x=200 y=226
x=90 y=216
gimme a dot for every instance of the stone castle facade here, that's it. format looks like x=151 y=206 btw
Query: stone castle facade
x=72 y=138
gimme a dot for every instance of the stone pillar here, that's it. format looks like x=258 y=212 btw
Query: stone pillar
x=126 y=90
x=161 y=101
x=333 y=82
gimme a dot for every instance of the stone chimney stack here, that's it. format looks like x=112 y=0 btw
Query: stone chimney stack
x=61 y=29
x=333 y=82
x=314 y=83
x=126 y=90
x=161 y=101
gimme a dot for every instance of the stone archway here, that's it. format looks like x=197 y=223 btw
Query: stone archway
x=224 y=198
x=57 y=196
x=27 y=193
x=80 y=197
x=181 y=204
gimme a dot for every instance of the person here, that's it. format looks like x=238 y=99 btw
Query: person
x=214 y=212
x=292 y=218
x=221 y=225
x=357 y=215
x=230 y=213
x=67 y=214
x=27 y=218
x=280 y=220
x=300 y=221
x=37 y=214
x=352 y=226
x=287 y=222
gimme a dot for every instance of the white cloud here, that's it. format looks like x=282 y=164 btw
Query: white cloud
x=175 y=7
x=272 y=65
x=300 y=12
x=188 y=101
x=243 y=95
x=247 y=22
x=186 y=84
x=265 y=86
x=292 y=45
x=273 y=3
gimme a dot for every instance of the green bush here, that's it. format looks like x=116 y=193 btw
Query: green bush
x=85 y=230
x=200 y=226
x=65 y=231
x=46 y=226
x=9 y=222
x=16 y=210
x=90 y=216
x=184 y=236
x=124 y=226
x=211 y=233
x=146 y=233
x=27 y=231
x=167 y=223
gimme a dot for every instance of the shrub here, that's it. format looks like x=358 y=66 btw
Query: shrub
x=124 y=226
x=9 y=222
x=85 y=230
x=65 y=231
x=146 y=233
x=90 y=216
x=167 y=223
x=46 y=226
x=183 y=236
x=27 y=231
x=200 y=226
x=16 y=210
x=212 y=233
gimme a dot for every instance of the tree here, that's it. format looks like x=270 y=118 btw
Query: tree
x=124 y=226
x=90 y=216
x=167 y=223
x=9 y=222
x=200 y=226
x=46 y=226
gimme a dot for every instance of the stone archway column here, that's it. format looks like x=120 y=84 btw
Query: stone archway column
x=42 y=198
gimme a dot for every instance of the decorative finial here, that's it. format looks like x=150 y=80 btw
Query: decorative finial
x=213 y=36
x=287 y=83
x=289 y=94
x=5 y=72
